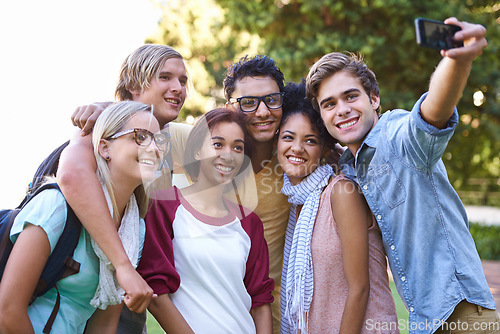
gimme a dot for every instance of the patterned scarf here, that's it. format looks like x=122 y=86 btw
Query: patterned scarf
x=109 y=292
x=297 y=274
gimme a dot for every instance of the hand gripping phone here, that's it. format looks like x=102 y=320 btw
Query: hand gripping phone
x=436 y=35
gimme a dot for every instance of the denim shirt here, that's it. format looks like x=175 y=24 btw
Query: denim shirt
x=424 y=225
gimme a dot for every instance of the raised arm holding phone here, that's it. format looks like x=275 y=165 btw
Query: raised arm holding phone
x=396 y=160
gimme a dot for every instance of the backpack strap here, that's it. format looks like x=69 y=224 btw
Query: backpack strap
x=7 y=218
x=72 y=267
x=53 y=314
x=48 y=167
x=62 y=254
x=33 y=192
x=60 y=263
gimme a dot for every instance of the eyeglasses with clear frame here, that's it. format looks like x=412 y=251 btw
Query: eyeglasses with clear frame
x=249 y=104
x=144 y=137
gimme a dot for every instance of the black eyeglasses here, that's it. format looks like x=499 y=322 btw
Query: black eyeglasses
x=251 y=103
x=144 y=137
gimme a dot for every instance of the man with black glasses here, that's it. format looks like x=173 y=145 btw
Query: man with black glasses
x=255 y=86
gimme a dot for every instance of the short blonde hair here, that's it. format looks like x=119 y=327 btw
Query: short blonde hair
x=140 y=66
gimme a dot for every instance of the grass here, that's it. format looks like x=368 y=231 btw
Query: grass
x=400 y=307
x=486 y=239
x=154 y=327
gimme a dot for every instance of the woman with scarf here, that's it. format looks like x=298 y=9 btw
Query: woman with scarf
x=128 y=150
x=334 y=277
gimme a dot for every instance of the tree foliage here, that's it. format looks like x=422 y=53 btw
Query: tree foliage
x=296 y=33
x=197 y=29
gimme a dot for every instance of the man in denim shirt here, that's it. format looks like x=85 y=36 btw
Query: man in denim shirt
x=396 y=160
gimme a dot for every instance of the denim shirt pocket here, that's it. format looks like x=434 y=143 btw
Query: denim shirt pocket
x=388 y=184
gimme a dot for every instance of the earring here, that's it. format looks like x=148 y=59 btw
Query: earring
x=322 y=162
x=107 y=158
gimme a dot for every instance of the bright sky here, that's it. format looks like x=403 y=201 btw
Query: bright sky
x=54 y=56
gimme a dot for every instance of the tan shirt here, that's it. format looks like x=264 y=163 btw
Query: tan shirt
x=179 y=133
x=273 y=209
x=178 y=137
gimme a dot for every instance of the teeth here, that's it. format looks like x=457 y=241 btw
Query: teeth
x=296 y=159
x=345 y=125
x=263 y=123
x=172 y=101
x=147 y=162
x=224 y=169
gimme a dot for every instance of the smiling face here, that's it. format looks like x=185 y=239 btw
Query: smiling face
x=299 y=148
x=128 y=162
x=167 y=91
x=346 y=109
x=222 y=154
x=263 y=123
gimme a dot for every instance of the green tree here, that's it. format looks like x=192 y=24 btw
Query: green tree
x=296 y=33
x=197 y=29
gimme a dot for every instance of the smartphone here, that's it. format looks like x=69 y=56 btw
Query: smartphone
x=436 y=35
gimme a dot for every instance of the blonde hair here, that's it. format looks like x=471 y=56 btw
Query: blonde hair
x=139 y=68
x=111 y=121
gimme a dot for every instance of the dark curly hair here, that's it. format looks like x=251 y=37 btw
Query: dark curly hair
x=258 y=66
x=296 y=102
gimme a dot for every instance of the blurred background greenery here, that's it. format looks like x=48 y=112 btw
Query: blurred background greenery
x=211 y=34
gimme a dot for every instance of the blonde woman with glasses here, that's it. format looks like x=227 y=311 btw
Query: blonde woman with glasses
x=128 y=149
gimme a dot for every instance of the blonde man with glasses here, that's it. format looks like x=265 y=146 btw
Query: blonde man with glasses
x=254 y=86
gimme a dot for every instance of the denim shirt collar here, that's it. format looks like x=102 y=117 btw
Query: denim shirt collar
x=348 y=162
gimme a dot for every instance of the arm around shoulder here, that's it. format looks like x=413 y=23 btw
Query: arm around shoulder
x=76 y=174
x=85 y=116
x=80 y=186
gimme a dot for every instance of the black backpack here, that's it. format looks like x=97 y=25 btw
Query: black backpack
x=60 y=263
x=48 y=167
